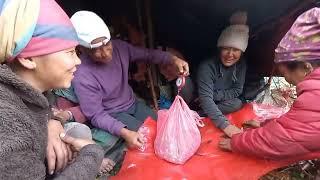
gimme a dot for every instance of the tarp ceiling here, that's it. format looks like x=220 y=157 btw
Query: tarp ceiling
x=192 y=26
x=193 y=22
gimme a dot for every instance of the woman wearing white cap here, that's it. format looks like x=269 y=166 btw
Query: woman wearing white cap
x=221 y=79
x=101 y=82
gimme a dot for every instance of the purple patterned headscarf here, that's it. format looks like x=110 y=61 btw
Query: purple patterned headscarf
x=302 y=41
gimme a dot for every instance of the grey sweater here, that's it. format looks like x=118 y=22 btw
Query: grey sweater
x=23 y=135
x=217 y=83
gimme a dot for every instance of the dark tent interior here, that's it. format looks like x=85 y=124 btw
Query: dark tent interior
x=193 y=26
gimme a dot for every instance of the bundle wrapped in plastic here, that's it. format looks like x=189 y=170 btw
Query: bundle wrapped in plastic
x=265 y=111
x=178 y=136
x=275 y=100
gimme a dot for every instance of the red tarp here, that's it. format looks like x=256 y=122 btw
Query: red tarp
x=208 y=163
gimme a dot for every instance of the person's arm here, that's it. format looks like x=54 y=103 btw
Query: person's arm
x=237 y=87
x=86 y=164
x=90 y=98
x=206 y=97
x=271 y=141
x=77 y=114
x=140 y=54
x=58 y=152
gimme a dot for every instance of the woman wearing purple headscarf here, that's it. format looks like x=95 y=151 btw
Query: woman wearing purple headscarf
x=297 y=132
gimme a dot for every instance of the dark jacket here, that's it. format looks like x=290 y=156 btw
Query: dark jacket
x=217 y=83
x=24 y=113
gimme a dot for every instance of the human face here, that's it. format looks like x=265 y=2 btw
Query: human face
x=102 y=53
x=292 y=76
x=56 y=70
x=229 y=56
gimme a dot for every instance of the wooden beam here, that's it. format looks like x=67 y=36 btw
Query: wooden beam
x=151 y=70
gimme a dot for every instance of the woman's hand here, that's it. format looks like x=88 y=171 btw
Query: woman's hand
x=182 y=66
x=225 y=144
x=133 y=139
x=76 y=143
x=61 y=114
x=58 y=153
x=252 y=123
x=231 y=130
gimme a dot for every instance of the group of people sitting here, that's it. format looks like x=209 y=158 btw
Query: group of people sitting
x=68 y=112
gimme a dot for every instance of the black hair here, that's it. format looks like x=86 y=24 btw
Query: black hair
x=15 y=65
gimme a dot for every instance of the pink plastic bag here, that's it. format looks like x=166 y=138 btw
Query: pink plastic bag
x=178 y=136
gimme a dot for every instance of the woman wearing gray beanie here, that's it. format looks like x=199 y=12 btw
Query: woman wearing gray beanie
x=221 y=79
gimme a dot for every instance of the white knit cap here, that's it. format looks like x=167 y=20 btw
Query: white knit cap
x=89 y=26
x=237 y=34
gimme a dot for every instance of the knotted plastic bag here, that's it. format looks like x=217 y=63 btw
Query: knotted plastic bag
x=178 y=136
x=275 y=100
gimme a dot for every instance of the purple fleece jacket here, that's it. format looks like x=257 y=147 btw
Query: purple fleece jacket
x=103 y=88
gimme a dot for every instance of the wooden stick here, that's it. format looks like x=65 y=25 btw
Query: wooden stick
x=151 y=45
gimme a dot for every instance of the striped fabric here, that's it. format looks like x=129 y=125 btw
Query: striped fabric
x=32 y=28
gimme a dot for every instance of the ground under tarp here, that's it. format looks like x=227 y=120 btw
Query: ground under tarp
x=208 y=163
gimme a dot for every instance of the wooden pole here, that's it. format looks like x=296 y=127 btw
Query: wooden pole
x=138 y=7
x=151 y=45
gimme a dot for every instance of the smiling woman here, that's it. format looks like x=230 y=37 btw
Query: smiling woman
x=37 y=54
x=295 y=133
x=47 y=71
x=229 y=56
x=221 y=79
